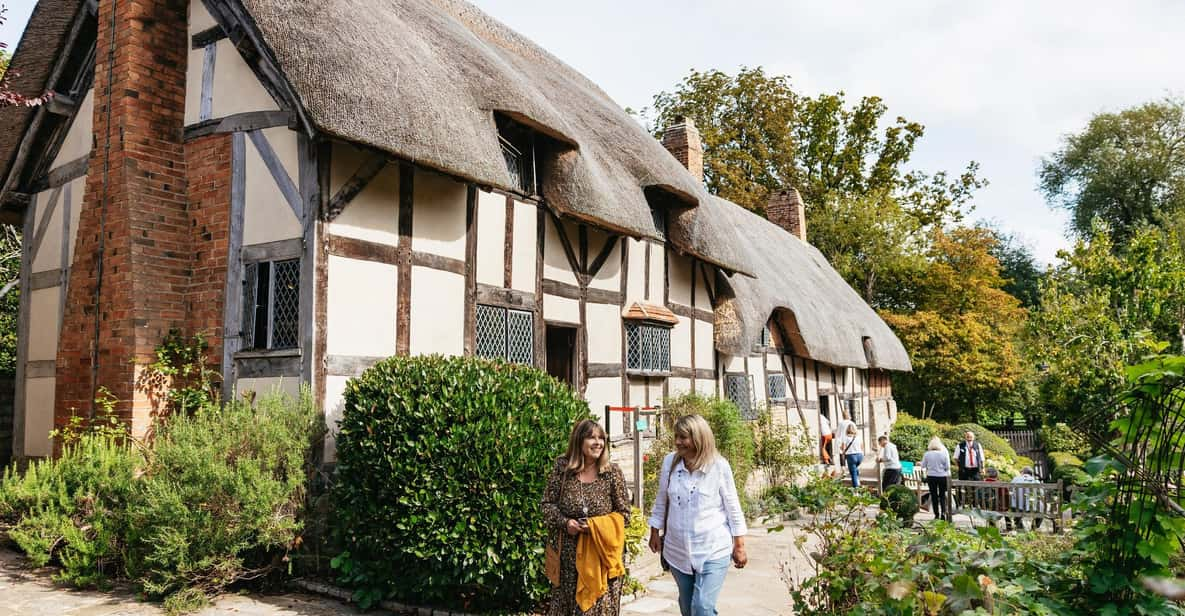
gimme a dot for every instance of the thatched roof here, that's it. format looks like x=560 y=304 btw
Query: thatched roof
x=32 y=62
x=422 y=79
x=795 y=285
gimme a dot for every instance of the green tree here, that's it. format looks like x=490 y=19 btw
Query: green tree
x=1018 y=266
x=1126 y=168
x=960 y=330
x=1101 y=309
x=760 y=136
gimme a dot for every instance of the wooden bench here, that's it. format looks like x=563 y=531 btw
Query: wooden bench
x=1030 y=501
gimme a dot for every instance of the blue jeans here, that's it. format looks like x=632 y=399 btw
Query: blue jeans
x=697 y=593
x=854 y=460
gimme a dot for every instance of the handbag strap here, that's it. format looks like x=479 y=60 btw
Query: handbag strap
x=666 y=514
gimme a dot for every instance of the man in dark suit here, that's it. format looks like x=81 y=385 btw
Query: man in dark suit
x=969 y=454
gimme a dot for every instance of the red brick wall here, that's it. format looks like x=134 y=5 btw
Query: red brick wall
x=137 y=186
x=208 y=168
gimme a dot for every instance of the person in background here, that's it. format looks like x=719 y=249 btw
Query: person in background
x=853 y=452
x=841 y=432
x=936 y=463
x=1022 y=501
x=890 y=461
x=586 y=496
x=825 y=436
x=697 y=508
x=969 y=455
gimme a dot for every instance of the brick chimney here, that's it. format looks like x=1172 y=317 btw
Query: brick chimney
x=785 y=209
x=682 y=140
x=133 y=252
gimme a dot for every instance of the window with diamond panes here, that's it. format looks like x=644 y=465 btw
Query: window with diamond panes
x=739 y=389
x=648 y=348
x=271 y=305
x=777 y=388
x=766 y=337
x=506 y=334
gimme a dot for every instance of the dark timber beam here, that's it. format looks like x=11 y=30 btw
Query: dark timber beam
x=61 y=104
x=355 y=185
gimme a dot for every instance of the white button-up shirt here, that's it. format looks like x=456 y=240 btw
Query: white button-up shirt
x=705 y=513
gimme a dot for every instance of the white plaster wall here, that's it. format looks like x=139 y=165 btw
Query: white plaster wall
x=199 y=18
x=601 y=392
x=678 y=386
x=681 y=344
x=702 y=298
x=79 y=138
x=522 y=275
x=289 y=386
x=638 y=391
x=193 y=82
x=373 y=214
x=635 y=288
x=268 y=216
x=760 y=387
x=438 y=217
x=44 y=305
x=335 y=389
x=734 y=364
x=555 y=261
x=705 y=345
x=706 y=387
x=39 y=399
x=236 y=90
x=491 y=238
x=563 y=309
x=437 y=312
x=609 y=277
x=49 y=254
x=604 y=333
x=657 y=272
x=680 y=271
x=656 y=397
x=361 y=308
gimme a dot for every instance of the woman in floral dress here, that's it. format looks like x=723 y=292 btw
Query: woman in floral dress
x=582 y=485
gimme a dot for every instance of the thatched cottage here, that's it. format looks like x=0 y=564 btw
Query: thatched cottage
x=318 y=185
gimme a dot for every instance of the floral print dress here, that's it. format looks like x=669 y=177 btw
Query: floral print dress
x=565 y=498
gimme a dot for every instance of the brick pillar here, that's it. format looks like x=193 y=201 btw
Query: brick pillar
x=785 y=209
x=683 y=141
x=133 y=251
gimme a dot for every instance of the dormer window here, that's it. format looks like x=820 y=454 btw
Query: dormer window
x=660 y=221
x=518 y=150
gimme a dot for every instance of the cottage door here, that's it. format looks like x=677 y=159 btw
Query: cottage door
x=561 y=353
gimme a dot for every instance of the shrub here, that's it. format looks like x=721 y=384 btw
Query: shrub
x=1062 y=438
x=213 y=500
x=734 y=440
x=784 y=453
x=912 y=439
x=441 y=466
x=953 y=435
x=901 y=501
x=1068 y=469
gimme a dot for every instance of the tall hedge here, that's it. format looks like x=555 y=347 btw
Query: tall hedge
x=441 y=466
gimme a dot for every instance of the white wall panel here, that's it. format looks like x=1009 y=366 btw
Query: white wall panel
x=637 y=275
x=335 y=388
x=680 y=271
x=361 y=308
x=705 y=345
x=39 y=404
x=681 y=343
x=437 y=312
x=438 y=216
x=491 y=238
x=555 y=261
x=604 y=333
x=44 y=307
x=526 y=247
x=49 y=254
x=268 y=217
x=373 y=215
x=609 y=276
x=236 y=90
x=562 y=309
x=80 y=136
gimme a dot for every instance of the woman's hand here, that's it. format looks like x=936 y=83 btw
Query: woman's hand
x=574 y=528
x=655 y=542
x=739 y=557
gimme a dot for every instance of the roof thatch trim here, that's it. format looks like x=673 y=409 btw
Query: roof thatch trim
x=826 y=317
x=422 y=79
x=30 y=69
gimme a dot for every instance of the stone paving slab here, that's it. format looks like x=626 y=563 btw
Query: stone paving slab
x=28 y=592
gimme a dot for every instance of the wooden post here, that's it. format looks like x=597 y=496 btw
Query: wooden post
x=949 y=500
x=637 y=460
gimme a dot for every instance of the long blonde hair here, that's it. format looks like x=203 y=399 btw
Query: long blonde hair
x=697 y=429
x=582 y=430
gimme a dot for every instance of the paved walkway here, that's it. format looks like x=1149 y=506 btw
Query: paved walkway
x=25 y=592
x=756 y=590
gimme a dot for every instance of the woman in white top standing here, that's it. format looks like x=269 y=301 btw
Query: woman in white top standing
x=697 y=508
x=853 y=452
x=936 y=462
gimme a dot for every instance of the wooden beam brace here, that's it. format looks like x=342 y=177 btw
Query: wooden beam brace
x=213 y=34
x=566 y=243
x=62 y=175
x=43 y=224
x=239 y=122
x=356 y=184
x=603 y=256
x=279 y=174
x=61 y=104
x=506 y=298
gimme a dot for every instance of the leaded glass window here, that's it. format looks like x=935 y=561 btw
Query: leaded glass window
x=766 y=337
x=777 y=388
x=648 y=348
x=739 y=389
x=506 y=334
x=271 y=305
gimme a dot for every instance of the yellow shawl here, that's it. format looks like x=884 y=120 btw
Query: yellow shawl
x=598 y=558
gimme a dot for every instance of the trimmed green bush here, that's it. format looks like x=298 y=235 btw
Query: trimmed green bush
x=441 y=466
x=912 y=439
x=992 y=444
x=901 y=501
x=1062 y=438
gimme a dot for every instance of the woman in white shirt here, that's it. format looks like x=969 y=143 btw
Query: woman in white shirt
x=697 y=508
x=936 y=462
x=853 y=452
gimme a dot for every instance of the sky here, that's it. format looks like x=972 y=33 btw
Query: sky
x=997 y=82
